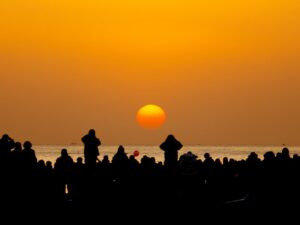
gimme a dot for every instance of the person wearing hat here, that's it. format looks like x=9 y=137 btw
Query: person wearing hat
x=171 y=146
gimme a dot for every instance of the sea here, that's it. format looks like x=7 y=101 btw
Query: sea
x=52 y=152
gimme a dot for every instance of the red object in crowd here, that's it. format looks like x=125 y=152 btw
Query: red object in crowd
x=136 y=153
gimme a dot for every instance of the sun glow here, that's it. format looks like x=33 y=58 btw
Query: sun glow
x=151 y=116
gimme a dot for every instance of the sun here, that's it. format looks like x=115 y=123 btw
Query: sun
x=151 y=116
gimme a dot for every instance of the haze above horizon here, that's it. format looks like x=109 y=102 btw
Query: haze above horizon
x=223 y=71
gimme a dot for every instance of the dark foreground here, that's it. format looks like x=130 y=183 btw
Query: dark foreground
x=248 y=191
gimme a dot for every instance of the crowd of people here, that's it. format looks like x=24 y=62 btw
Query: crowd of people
x=96 y=185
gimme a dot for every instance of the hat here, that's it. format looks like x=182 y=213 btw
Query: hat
x=171 y=144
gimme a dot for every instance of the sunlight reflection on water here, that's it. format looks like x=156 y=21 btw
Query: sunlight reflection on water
x=51 y=152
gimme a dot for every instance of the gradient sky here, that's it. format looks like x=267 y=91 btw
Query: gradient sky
x=227 y=72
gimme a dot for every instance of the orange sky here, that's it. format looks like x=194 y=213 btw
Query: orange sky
x=225 y=71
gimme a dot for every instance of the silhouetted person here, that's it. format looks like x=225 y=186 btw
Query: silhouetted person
x=91 y=144
x=171 y=147
x=120 y=160
x=64 y=168
x=6 y=145
x=187 y=160
x=285 y=153
x=105 y=160
x=16 y=155
x=28 y=156
x=49 y=165
x=79 y=161
x=18 y=147
x=64 y=163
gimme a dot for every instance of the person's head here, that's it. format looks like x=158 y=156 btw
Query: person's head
x=225 y=160
x=285 y=152
x=121 y=149
x=27 y=145
x=171 y=143
x=49 y=164
x=92 y=132
x=64 y=152
x=206 y=155
x=171 y=137
x=5 y=137
x=79 y=160
x=18 y=146
x=105 y=158
x=41 y=163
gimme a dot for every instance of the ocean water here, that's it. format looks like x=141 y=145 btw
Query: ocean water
x=52 y=152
